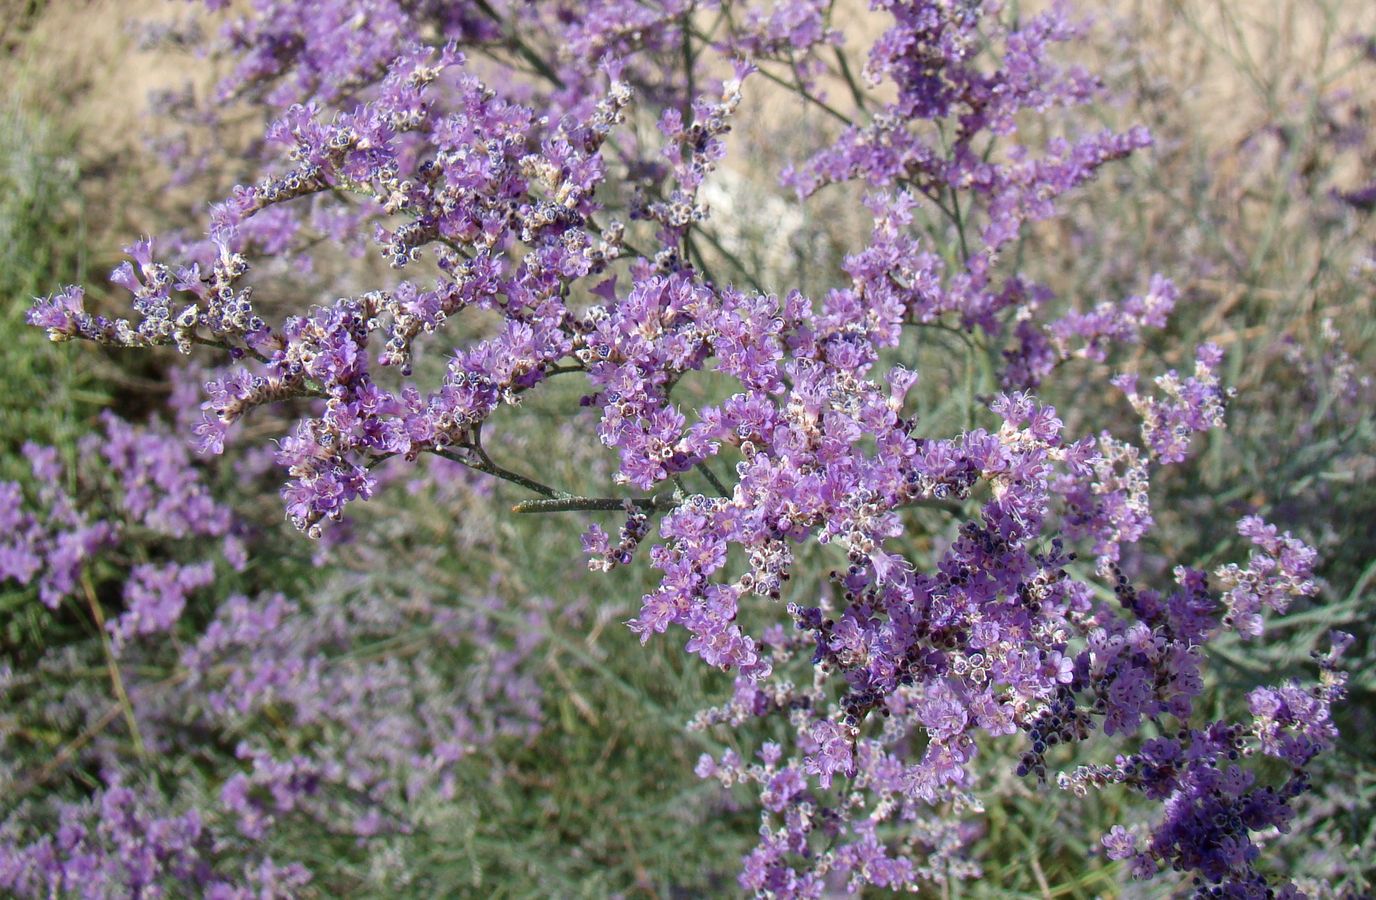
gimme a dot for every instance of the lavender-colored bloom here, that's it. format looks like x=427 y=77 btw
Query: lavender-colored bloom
x=1189 y=405
x=1119 y=843
x=1281 y=569
x=155 y=597
x=123 y=842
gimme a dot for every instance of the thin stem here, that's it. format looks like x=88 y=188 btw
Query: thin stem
x=951 y=506
x=855 y=92
x=501 y=60
x=379 y=459
x=713 y=479
x=225 y=345
x=623 y=244
x=706 y=37
x=116 y=681
x=485 y=465
x=797 y=88
x=521 y=47
x=594 y=504
x=932 y=197
x=960 y=226
x=689 y=60
x=67 y=752
x=731 y=258
x=695 y=255
x=802 y=92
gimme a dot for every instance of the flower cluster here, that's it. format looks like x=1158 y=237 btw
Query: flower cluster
x=389 y=738
x=390 y=730
x=1191 y=405
x=1214 y=805
x=1280 y=570
x=130 y=478
x=123 y=843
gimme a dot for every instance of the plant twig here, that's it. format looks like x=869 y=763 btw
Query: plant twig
x=484 y=464
x=950 y=506
x=855 y=92
x=594 y=504
x=713 y=479
x=803 y=92
x=116 y=681
x=67 y=751
x=522 y=49
x=731 y=258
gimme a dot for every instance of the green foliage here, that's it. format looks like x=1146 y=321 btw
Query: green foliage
x=47 y=395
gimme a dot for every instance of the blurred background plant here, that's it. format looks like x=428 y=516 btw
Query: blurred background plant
x=1257 y=199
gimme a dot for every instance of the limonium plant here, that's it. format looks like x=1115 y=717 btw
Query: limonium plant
x=497 y=156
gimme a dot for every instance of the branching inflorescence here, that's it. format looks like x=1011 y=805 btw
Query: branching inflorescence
x=503 y=151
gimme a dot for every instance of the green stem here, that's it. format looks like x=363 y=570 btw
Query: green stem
x=716 y=482
x=116 y=681
x=801 y=92
x=593 y=504
x=855 y=92
x=225 y=345
x=521 y=47
x=731 y=258
x=689 y=60
x=485 y=465
x=950 y=506
x=695 y=256
x=960 y=227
